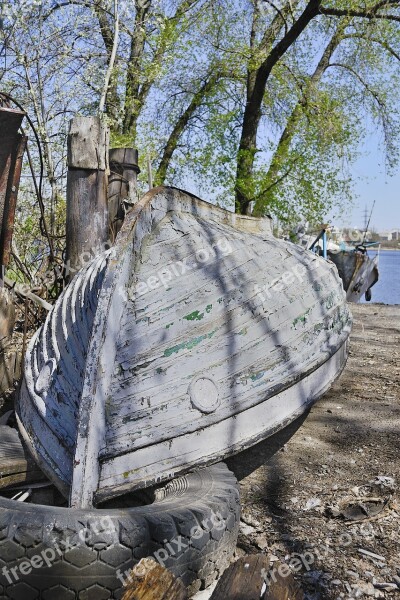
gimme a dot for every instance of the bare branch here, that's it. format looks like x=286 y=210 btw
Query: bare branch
x=364 y=14
x=373 y=93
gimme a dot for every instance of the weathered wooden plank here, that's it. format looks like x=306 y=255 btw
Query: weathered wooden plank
x=148 y=580
x=16 y=466
x=244 y=580
x=157 y=462
x=283 y=587
x=161 y=415
x=64 y=385
x=251 y=578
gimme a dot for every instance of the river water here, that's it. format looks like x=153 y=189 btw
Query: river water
x=387 y=289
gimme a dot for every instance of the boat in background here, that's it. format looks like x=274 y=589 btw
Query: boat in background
x=358 y=271
x=196 y=336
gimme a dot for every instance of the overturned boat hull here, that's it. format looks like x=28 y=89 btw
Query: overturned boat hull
x=196 y=336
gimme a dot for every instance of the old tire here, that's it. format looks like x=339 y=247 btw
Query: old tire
x=64 y=554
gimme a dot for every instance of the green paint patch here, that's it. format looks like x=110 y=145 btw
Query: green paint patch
x=126 y=474
x=301 y=319
x=168 y=326
x=188 y=345
x=243 y=331
x=208 y=308
x=194 y=316
x=318 y=328
x=257 y=376
x=330 y=301
x=220 y=300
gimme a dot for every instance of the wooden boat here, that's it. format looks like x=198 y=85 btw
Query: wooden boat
x=197 y=335
x=357 y=270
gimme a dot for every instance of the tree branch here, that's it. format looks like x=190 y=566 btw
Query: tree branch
x=365 y=14
x=382 y=43
x=373 y=93
x=84 y=4
x=181 y=123
x=112 y=59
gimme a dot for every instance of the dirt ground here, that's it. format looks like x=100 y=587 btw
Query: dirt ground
x=329 y=496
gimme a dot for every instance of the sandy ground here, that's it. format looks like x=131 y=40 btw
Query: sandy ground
x=329 y=495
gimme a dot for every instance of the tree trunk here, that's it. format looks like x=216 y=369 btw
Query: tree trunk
x=282 y=150
x=112 y=96
x=252 y=114
x=132 y=102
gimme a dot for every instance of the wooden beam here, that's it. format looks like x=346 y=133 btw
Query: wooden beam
x=148 y=580
x=87 y=182
x=282 y=585
x=244 y=580
x=122 y=184
x=252 y=578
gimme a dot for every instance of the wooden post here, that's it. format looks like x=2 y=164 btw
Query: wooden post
x=11 y=204
x=12 y=149
x=122 y=183
x=87 y=210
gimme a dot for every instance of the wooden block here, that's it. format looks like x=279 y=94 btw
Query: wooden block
x=150 y=581
x=251 y=578
x=244 y=580
x=282 y=587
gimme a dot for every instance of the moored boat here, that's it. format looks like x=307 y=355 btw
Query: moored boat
x=358 y=271
x=197 y=335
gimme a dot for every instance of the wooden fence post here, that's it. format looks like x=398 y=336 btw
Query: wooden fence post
x=124 y=170
x=12 y=149
x=87 y=182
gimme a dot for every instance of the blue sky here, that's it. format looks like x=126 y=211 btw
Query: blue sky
x=373 y=183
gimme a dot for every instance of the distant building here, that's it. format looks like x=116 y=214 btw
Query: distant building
x=388 y=236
